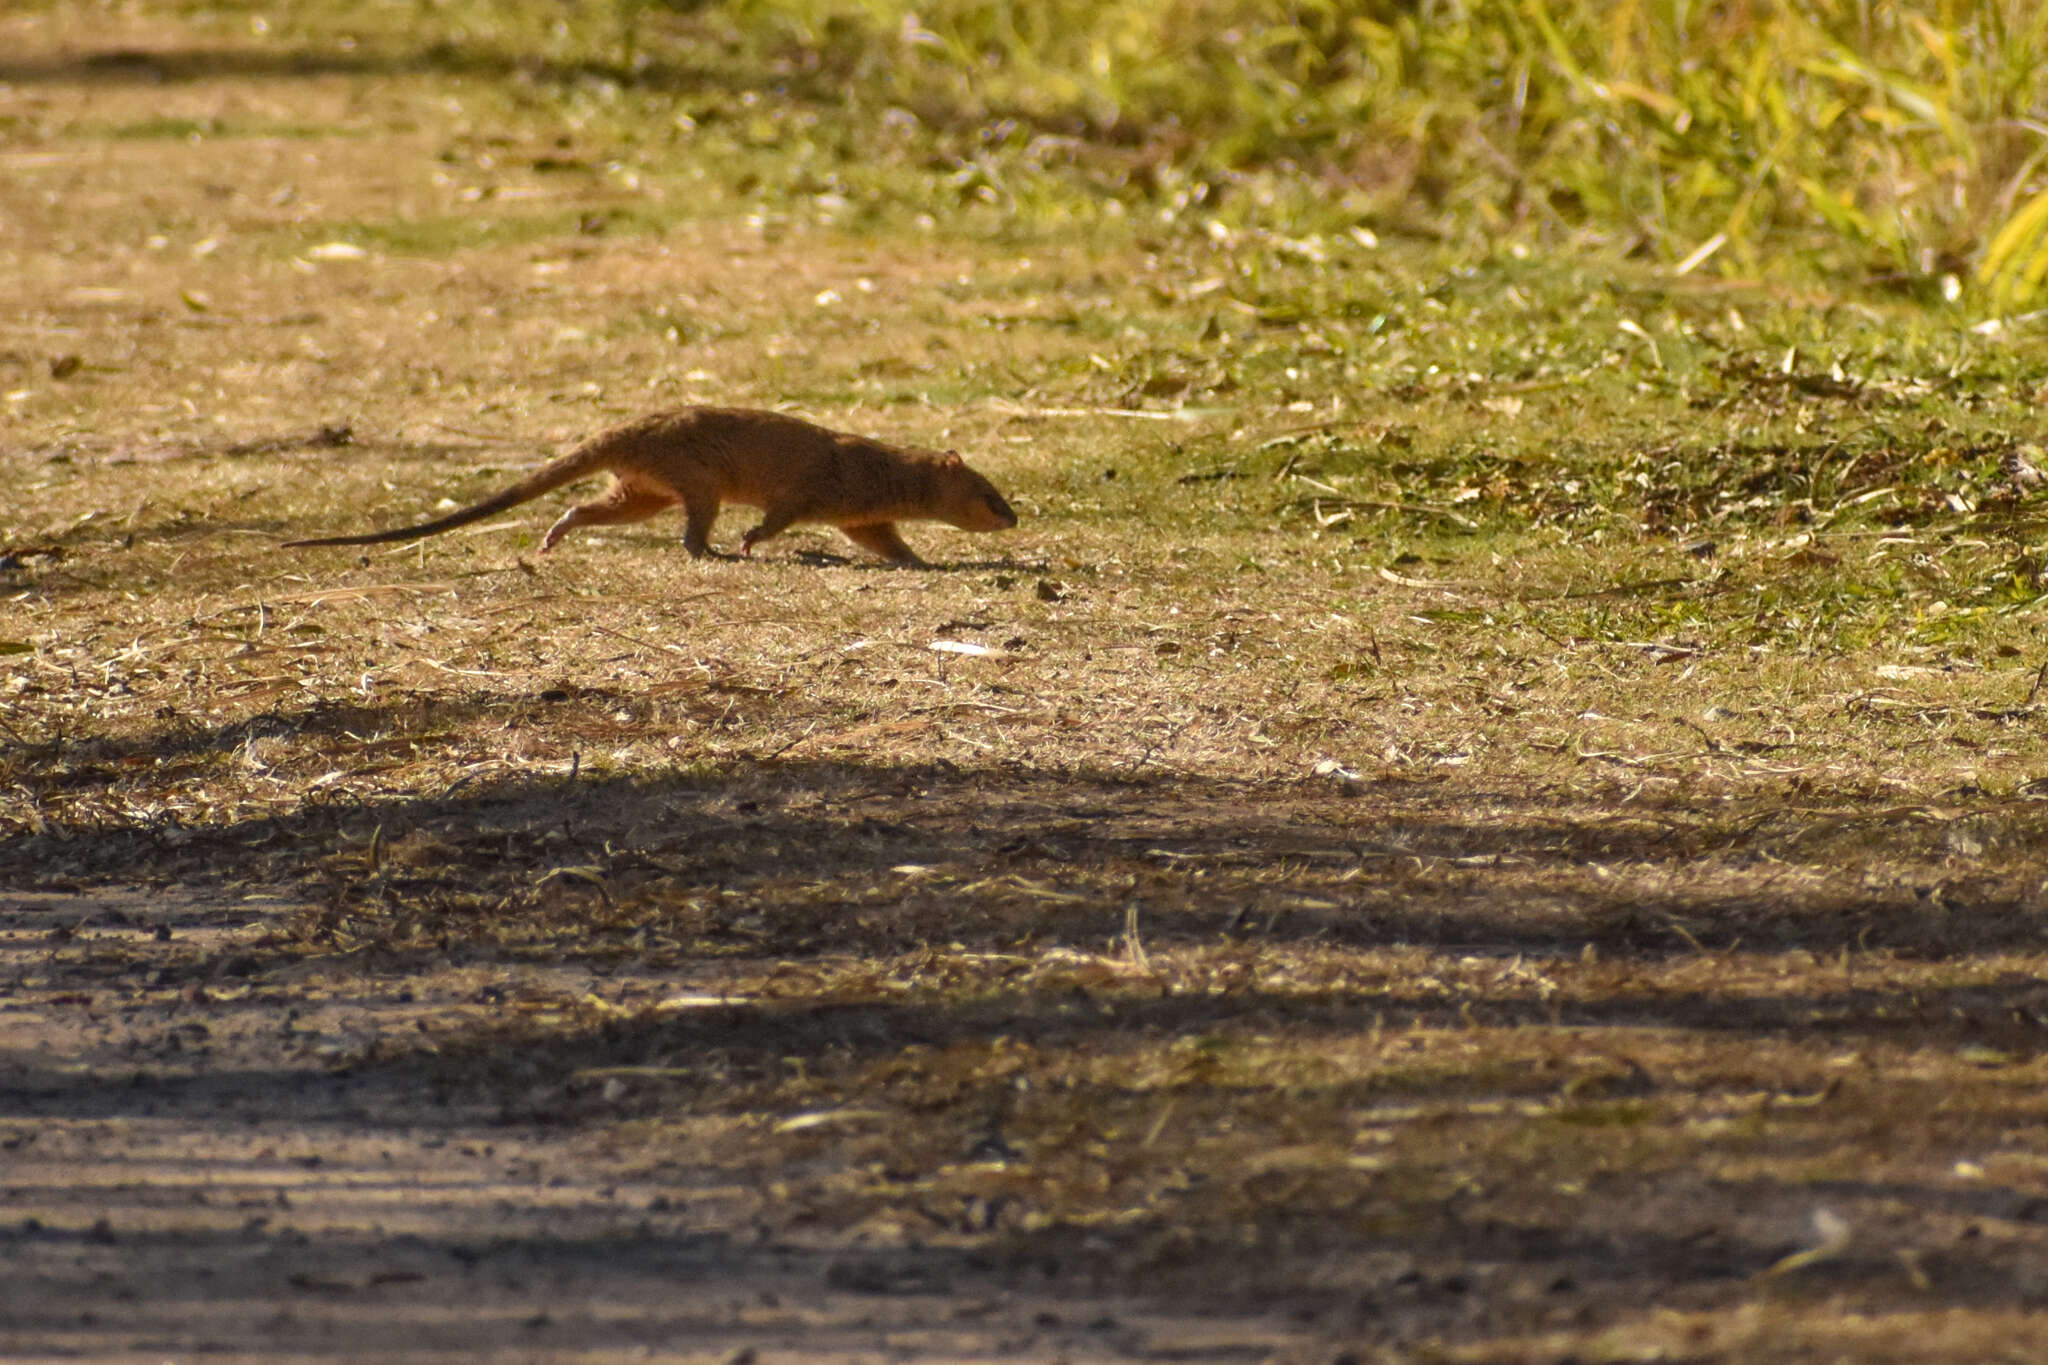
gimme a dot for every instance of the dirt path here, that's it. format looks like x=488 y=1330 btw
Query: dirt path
x=200 y=1156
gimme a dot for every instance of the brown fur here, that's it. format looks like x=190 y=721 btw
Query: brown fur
x=791 y=469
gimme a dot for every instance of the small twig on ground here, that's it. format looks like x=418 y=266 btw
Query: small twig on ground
x=466 y=433
x=1713 y=745
x=2039 y=678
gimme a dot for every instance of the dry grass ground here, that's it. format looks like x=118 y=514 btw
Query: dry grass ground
x=1489 y=812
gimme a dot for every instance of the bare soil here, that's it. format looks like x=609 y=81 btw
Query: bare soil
x=203 y=1159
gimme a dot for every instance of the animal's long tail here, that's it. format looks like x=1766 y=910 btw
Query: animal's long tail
x=584 y=460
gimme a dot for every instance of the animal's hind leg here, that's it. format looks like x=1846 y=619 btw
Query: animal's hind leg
x=700 y=513
x=625 y=502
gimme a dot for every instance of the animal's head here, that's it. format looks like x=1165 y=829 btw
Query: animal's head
x=969 y=501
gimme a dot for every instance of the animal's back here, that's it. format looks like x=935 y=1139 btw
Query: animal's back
x=745 y=455
x=774 y=461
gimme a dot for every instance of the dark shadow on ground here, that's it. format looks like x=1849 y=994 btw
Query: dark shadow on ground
x=707 y=1290
x=797 y=854
x=817 y=73
x=185 y=66
x=1452 y=1271
x=687 y=874
x=598 y=1285
x=665 y=72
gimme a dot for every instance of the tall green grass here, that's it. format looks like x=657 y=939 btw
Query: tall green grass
x=1892 y=140
x=1899 y=144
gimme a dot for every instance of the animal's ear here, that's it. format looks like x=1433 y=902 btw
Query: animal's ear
x=953 y=460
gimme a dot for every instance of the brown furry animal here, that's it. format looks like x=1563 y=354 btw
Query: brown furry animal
x=791 y=469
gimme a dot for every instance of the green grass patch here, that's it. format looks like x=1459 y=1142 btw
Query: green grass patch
x=208 y=130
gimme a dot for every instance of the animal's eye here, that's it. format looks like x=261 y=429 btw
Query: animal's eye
x=996 y=504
